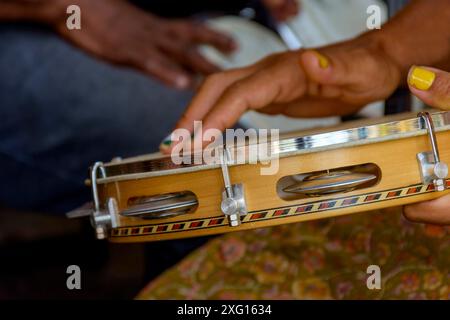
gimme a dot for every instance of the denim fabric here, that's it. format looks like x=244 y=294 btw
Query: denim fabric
x=61 y=110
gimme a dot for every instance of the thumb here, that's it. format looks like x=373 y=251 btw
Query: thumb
x=430 y=85
x=324 y=69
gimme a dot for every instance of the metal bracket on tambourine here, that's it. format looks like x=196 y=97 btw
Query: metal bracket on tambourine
x=432 y=170
x=102 y=220
x=233 y=203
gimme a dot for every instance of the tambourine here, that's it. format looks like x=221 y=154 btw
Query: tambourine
x=320 y=175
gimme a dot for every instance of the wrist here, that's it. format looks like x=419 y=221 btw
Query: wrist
x=418 y=35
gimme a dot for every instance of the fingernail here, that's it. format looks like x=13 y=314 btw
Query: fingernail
x=421 y=78
x=323 y=61
x=182 y=82
x=166 y=143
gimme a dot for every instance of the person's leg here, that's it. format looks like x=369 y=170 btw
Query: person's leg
x=61 y=110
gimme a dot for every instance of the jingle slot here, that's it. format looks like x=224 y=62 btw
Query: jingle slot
x=161 y=206
x=326 y=182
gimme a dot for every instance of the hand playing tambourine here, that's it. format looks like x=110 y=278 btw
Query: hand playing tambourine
x=215 y=104
x=432 y=86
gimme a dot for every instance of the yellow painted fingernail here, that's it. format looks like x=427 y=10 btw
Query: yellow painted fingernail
x=323 y=61
x=421 y=78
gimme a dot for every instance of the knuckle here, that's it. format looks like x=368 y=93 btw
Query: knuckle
x=235 y=95
x=181 y=28
x=191 y=28
x=214 y=79
x=235 y=89
x=442 y=86
x=222 y=123
x=150 y=65
x=197 y=27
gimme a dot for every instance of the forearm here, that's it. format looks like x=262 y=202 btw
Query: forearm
x=42 y=11
x=419 y=35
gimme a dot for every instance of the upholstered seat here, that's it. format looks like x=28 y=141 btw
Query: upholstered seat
x=325 y=259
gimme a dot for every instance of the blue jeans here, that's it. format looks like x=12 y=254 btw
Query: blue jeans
x=61 y=110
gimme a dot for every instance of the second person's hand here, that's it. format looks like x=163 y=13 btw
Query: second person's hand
x=121 y=33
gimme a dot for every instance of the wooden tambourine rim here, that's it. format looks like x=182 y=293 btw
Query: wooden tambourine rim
x=273 y=213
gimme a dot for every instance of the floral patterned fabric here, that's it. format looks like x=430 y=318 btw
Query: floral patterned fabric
x=325 y=259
